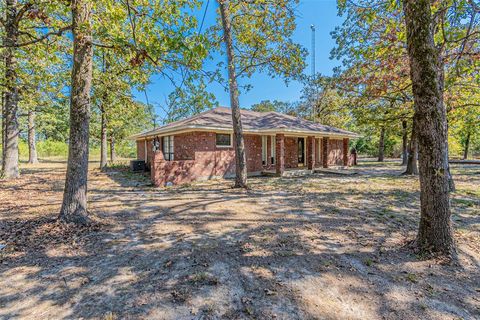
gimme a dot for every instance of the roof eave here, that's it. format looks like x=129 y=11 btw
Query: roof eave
x=164 y=131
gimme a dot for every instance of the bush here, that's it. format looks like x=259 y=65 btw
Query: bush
x=127 y=149
x=50 y=148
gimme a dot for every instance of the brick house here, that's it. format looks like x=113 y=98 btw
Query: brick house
x=201 y=147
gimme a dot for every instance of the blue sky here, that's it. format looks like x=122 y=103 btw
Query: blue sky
x=321 y=13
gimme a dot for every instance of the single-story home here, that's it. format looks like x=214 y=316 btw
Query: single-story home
x=202 y=146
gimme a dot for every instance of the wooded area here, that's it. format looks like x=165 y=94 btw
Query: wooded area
x=409 y=84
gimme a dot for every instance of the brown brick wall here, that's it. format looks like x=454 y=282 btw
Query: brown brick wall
x=253 y=152
x=318 y=153
x=291 y=152
x=182 y=145
x=197 y=157
x=335 y=152
x=140 y=150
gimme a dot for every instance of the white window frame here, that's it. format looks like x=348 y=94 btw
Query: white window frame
x=146 y=151
x=221 y=146
x=304 y=164
x=168 y=148
x=273 y=149
x=264 y=150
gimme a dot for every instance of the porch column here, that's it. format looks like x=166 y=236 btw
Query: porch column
x=280 y=153
x=311 y=153
x=325 y=152
x=156 y=172
x=345 y=152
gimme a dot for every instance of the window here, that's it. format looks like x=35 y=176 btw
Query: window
x=272 y=146
x=264 y=150
x=168 y=148
x=224 y=140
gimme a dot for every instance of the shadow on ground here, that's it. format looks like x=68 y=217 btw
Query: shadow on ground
x=303 y=248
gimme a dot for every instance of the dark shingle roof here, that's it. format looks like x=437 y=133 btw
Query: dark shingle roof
x=268 y=122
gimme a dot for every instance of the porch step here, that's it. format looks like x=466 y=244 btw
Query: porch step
x=288 y=173
x=343 y=172
x=297 y=173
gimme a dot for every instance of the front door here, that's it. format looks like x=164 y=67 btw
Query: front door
x=301 y=152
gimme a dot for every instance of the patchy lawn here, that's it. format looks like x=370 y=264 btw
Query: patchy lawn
x=324 y=246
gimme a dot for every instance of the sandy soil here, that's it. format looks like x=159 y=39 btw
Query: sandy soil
x=317 y=247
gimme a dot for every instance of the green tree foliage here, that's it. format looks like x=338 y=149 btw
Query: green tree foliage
x=323 y=102
x=189 y=99
x=372 y=46
x=24 y=25
x=257 y=38
x=276 y=106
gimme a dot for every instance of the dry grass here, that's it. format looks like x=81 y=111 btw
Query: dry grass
x=320 y=247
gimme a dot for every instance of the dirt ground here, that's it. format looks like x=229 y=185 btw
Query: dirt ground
x=317 y=247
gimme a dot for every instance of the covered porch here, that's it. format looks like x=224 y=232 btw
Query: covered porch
x=293 y=155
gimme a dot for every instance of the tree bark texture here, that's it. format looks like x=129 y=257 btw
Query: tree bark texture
x=113 y=152
x=240 y=158
x=3 y=127
x=441 y=75
x=74 y=206
x=10 y=116
x=404 y=143
x=412 y=167
x=467 y=146
x=103 y=140
x=32 y=139
x=435 y=233
x=381 y=145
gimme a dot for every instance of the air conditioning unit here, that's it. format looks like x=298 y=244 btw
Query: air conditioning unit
x=137 y=165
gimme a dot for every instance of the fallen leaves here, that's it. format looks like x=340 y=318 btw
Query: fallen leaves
x=42 y=233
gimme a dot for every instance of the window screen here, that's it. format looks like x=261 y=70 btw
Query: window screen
x=223 y=140
x=168 y=148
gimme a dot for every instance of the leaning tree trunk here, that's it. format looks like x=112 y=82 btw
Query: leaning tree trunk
x=113 y=152
x=435 y=233
x=241 y=168
x=10 y=154
x=404 y=143
x=412 y=168
x=103 y=140
x=467 y=145
x=74 y=206
x=381 y=145
x=32 y=140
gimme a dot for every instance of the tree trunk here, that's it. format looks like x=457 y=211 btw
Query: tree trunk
x=241 y=168
x=32 y=140
x=412 y=168
x=103 y=139
x=467 y=145
x=74 y=206
x=435 y=232
x=381 y=145
x=3 y=129
x=10 y=155
x=113 y=153
x=404 y=143
x=441 y=76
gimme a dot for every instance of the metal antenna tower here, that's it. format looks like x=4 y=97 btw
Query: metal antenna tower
x=313 y=49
